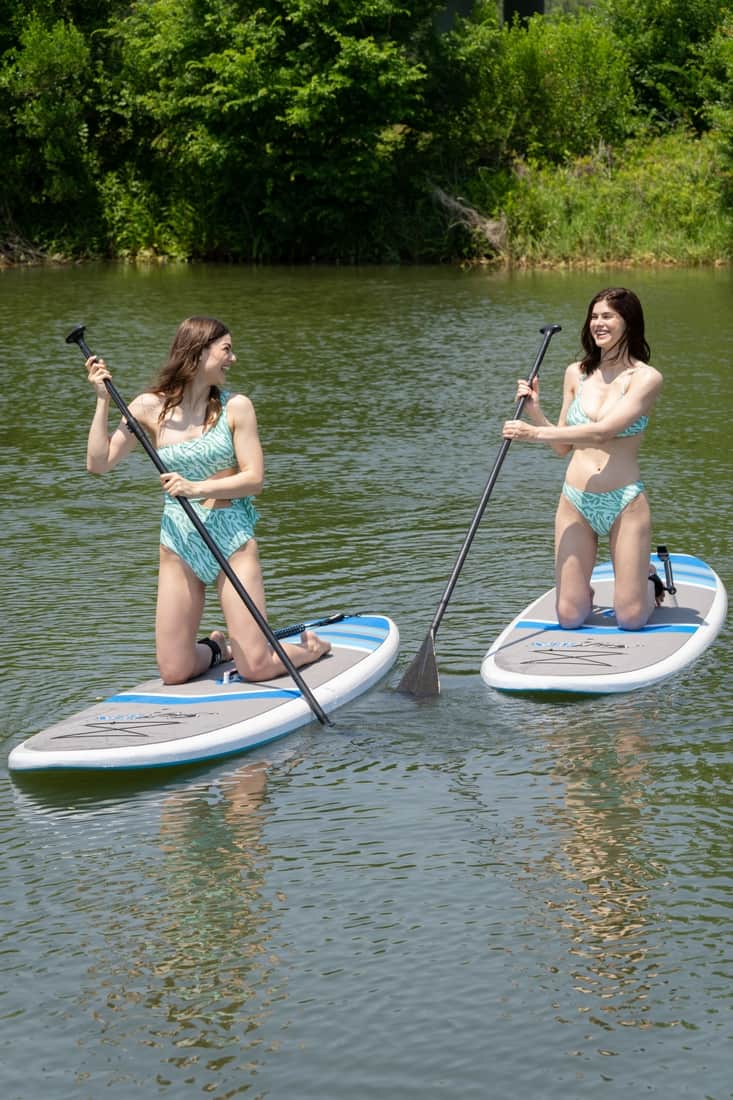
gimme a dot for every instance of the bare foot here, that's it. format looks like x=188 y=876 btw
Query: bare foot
x=220 y=638
x=315 y=645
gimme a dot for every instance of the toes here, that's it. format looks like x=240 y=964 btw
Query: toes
x=220 y=638
x=314 y=644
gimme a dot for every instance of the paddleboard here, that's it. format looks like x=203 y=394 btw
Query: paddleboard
x=534 y=654
x=215 y=715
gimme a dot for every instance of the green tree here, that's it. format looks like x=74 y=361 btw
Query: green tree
x=568 y=86
x=293 y=129
x=551 y=88
x=282 y=128
x=48 y=165
x=716 y=87
x=663 y=39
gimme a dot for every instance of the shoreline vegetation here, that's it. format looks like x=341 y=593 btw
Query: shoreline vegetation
x=598 y=134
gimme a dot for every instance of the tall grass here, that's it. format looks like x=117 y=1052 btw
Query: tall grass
x=657 y=200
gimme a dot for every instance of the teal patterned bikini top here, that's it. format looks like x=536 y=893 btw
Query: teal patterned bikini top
x=200 y=458
x=576 y=414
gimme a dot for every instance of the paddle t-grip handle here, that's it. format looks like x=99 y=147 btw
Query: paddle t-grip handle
x=548 y=331
x=76 y=336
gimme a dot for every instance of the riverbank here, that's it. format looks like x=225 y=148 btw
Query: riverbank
x=665 y=200
x=598 y=135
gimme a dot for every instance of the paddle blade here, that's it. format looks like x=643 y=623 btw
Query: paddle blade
x=421 y=678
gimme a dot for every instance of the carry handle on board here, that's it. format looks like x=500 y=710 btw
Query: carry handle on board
x=76 y=336
x=298 y=628
x=663 y=555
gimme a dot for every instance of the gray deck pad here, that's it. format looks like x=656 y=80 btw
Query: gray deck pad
x=535 y=653
x=155 y=712
x=217 y=713
x=599 y=644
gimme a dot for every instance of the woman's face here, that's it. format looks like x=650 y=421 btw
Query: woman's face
x=607 y=327
x=216 y=359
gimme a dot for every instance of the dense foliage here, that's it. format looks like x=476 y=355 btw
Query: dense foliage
x=359 y=130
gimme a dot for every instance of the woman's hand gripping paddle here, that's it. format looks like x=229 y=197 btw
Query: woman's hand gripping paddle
x=76 y=336
x=421 y=678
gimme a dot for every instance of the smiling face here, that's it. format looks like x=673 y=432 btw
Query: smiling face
x=607 y=327
x=613 y=329
x=216 y=359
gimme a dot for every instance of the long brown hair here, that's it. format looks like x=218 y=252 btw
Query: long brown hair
x=628 y=306
x=192 y=338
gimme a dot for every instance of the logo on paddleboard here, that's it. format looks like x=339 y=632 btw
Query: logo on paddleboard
x=134 y=724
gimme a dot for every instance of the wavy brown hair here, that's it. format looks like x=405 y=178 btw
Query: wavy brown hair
x=192 y=338
x=628 y=306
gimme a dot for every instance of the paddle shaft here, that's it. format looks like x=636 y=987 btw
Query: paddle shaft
x=77 y=337
x=548 y=332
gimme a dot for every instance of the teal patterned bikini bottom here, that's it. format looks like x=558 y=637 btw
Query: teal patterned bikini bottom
x=601 y=510
x=229 y=528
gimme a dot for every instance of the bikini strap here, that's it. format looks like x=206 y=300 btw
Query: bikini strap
x=625 y=384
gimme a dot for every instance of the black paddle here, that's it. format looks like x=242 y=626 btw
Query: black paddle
x=421 y=678
x=76 y=336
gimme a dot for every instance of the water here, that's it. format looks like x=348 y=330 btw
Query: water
x=479 y=896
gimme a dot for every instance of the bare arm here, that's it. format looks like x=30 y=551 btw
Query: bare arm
x=104 y=450
x=637 y=402
x=534 y=411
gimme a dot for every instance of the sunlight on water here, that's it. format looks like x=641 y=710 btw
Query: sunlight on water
x=481 y=895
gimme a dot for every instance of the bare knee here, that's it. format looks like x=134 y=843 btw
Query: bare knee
x=175 y=670
x=633 y=610
x=255 y=667
x=632 y=615
x=570 y=613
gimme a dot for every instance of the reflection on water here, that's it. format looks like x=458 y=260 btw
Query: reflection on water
x=425 y=898
x=608 y=867
x=201 y=969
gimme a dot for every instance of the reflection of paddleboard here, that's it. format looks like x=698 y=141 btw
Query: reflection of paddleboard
x=534 y=654
x=218 y=714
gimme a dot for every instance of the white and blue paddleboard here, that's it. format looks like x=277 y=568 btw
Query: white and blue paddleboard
x=217 y=714
x=535 y=654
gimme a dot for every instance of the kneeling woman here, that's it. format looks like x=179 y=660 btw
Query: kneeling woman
x=607 y=398
x=207 y=437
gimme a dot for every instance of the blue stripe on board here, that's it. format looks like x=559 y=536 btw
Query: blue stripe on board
x=689 y=573
x=692 y=571
x=700 y=580
x=222 y=697
x=668 y=628
x=340 y=638
x=334 y=633
x=366 y=620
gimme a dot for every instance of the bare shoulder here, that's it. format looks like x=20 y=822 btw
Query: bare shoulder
x=573 y=375
x=240 y=411
x=147 y=408
x=648 y=376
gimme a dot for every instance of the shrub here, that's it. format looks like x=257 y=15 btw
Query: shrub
x=656 y=201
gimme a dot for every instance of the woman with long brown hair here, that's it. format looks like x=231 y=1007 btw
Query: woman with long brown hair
x=607 y=398
x=207 y=437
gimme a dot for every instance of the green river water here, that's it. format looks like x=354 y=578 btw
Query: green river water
x=483 y=896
